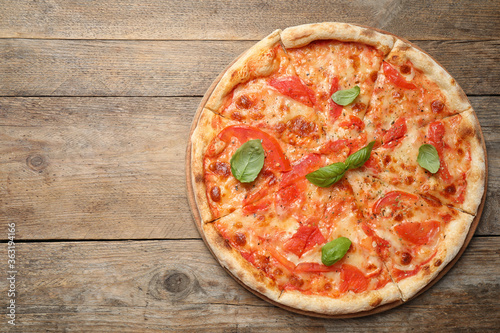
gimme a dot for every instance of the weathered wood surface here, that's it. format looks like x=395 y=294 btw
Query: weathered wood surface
x=138 y=286
x=242 y=19
x=182 y=68
x=113 y=168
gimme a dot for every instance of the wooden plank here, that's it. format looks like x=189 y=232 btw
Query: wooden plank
x=95 y=168
x=176 y=285
x=242 y=19
x=117 y=164
x=177 y=68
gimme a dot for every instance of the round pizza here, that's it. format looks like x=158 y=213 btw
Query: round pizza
x=336 y=169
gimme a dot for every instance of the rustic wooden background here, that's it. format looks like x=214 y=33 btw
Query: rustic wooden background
x=96 y=104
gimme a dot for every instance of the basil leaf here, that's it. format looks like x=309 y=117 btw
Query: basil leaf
x=345 y=97
x=328 y=175
x=247 y=161
x=335 y=250
x=428 y=158
x=360 y=157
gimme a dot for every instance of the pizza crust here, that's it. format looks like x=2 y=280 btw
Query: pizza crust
x=470 y=130
x=302 y=35
x=240 y=268
x=450 y=244
x=456 y=98
x=258 y=61
x=348 y=303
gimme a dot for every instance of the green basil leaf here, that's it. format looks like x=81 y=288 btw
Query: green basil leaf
x=428 y=158
x=335 y=250
x=345 y=97
x=328 y=175
x=247 y=161
x=360 y=157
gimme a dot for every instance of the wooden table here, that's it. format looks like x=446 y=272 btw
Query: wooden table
x=96 y=104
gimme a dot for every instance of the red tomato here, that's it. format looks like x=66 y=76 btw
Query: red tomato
x=286 y=196
x=304 y=239
x=435 y=135
x=381 y=245
x=393 y=198
x=353 y=123
x=281 y=259
x=335 y=109
x=418 y=233
x=336 y=146
x=306 y=165
x=275 y=158
x=393 y=76
x=314 y=267
x=352 y=279
x=395 y=134
x=255 y=207
x=293 y=87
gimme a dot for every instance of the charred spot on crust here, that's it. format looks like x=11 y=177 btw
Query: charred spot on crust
x=438 y=263
x=376 y=302
x=199 y=178
x=466 y=132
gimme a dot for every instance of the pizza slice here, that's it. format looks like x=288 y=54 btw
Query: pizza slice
x=214 y=143
x=415 y=236
x=411 y=87
x=261 y=89
x=452 y=148
x=276 y=248
x=333 y=57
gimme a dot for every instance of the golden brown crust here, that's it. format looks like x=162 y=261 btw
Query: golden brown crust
x=302 y=35
x=240 y=268
x=258 y=61
x=470 y=130
x=456 y=98
x=348 y=303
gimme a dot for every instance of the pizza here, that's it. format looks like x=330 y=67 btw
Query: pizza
x=335 y=169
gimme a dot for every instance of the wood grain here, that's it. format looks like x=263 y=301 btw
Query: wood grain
x=113 y=168
x=150 y=286
x=242 y=19
x=178 y=68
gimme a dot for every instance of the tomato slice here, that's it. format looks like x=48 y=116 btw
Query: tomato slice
x=275 y=158
x=281 y=259
x=304 y=166
x=435 y=135
x=395 y=134
x=293 y=87
x=353 y=123
x=256 y=207
x=306 y=237
x=335 y=109
x=418 y=233
x=352 y=279
x=394 y=199
x=314 y=267
x=336 y=146
x=393 y=76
